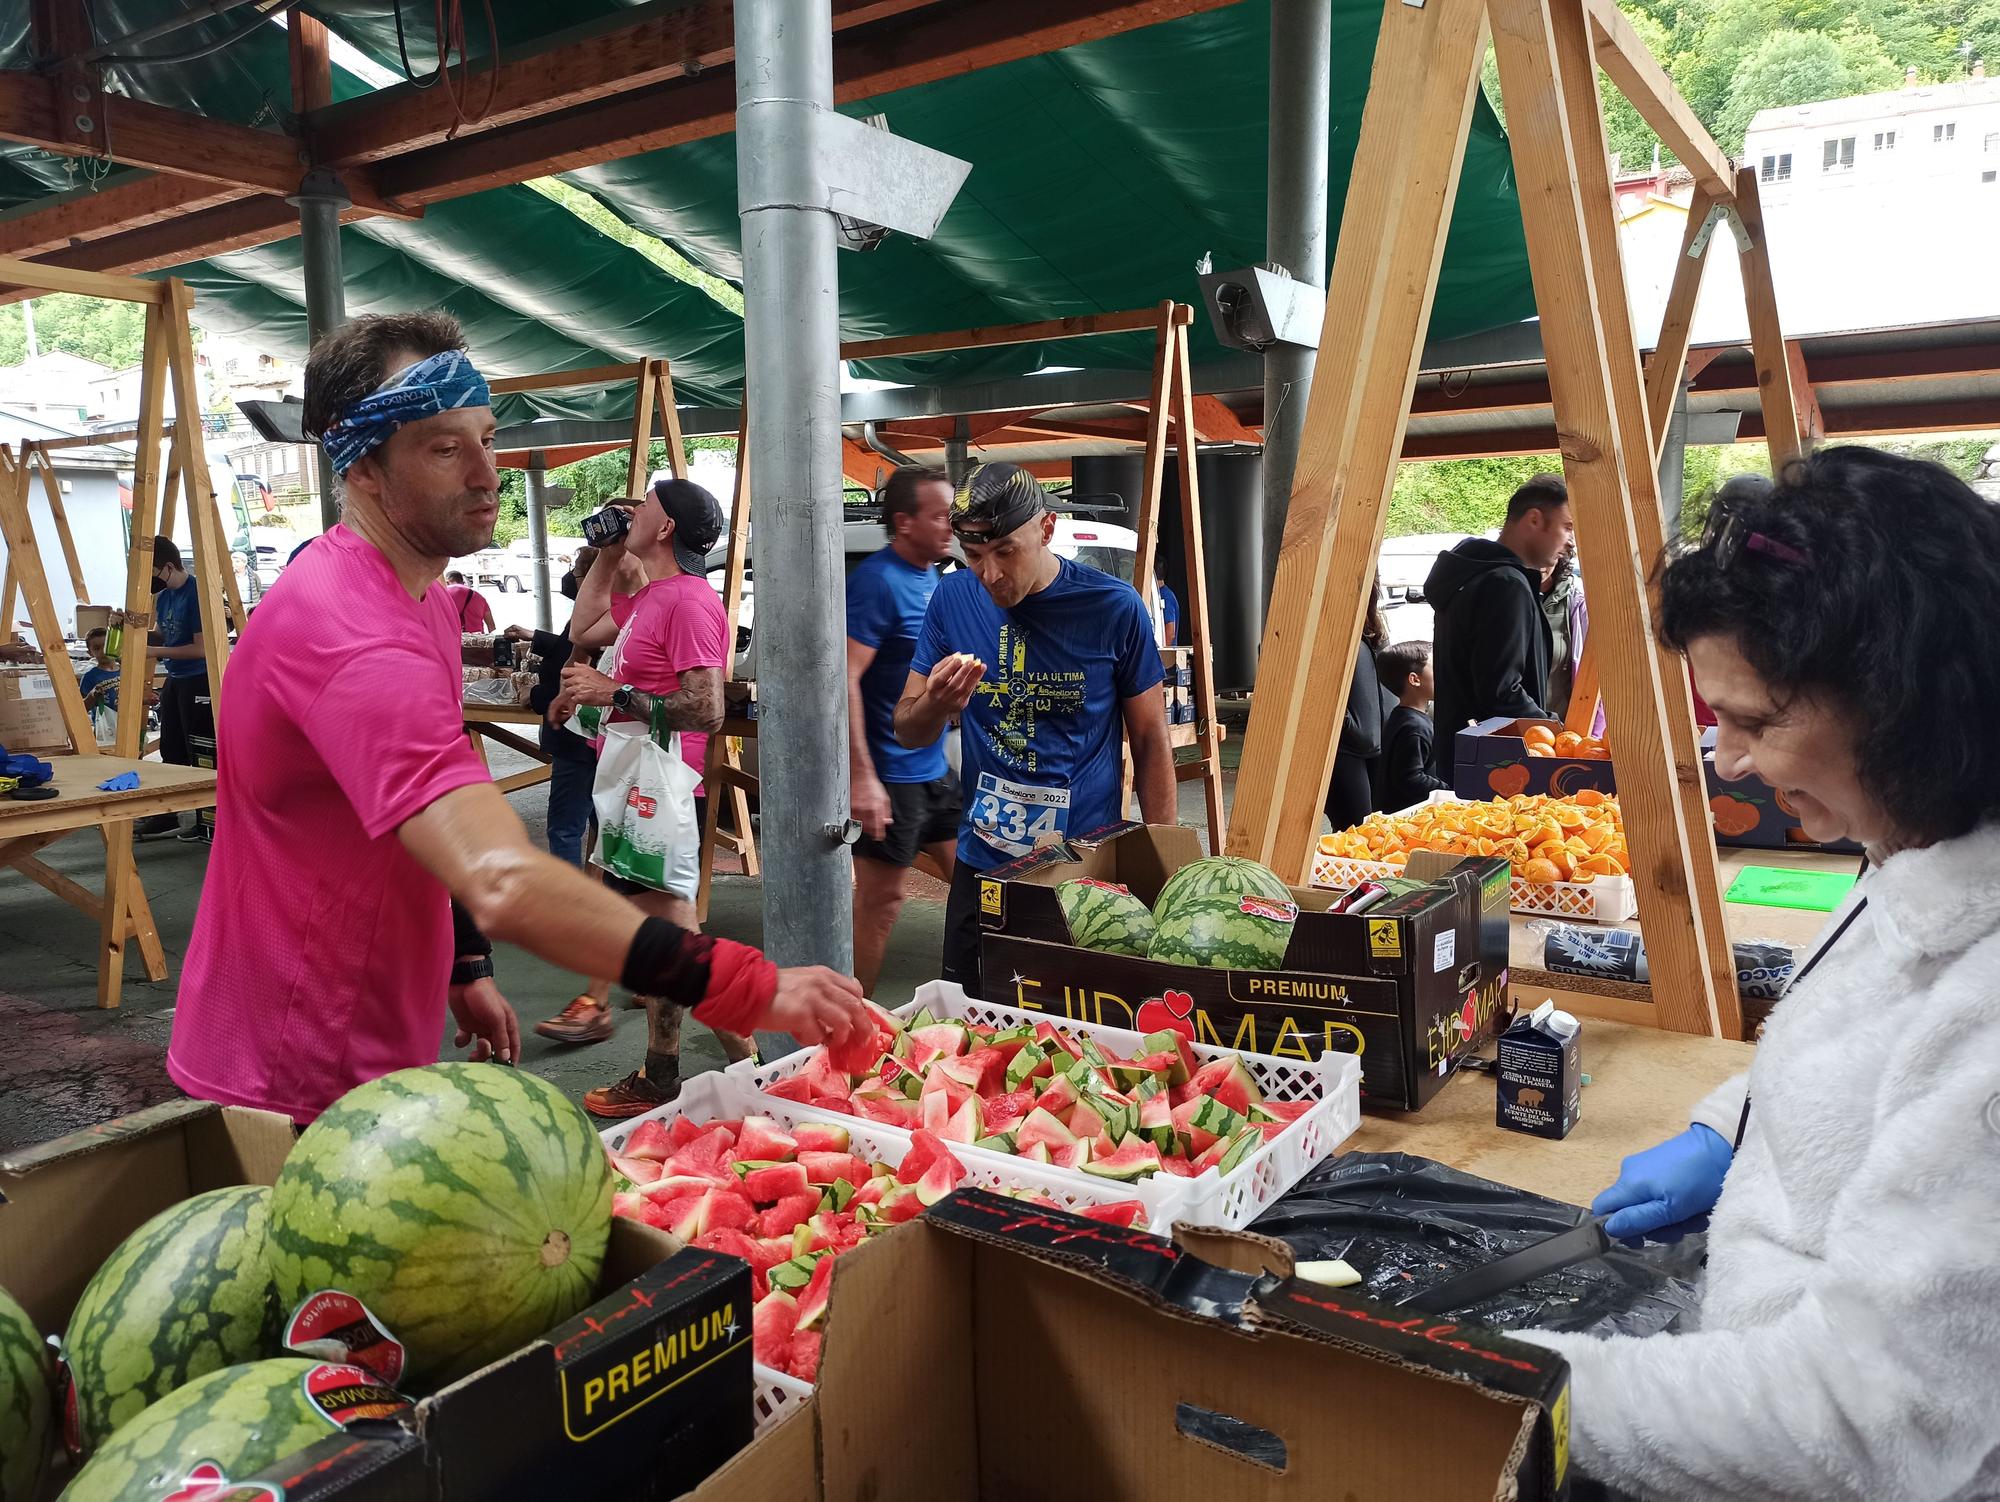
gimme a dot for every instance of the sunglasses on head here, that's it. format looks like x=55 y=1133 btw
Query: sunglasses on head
x=1727 y=536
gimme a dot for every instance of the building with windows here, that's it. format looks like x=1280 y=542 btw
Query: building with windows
x=1923 y=138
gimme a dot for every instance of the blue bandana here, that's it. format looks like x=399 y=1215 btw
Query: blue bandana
x=442 y=383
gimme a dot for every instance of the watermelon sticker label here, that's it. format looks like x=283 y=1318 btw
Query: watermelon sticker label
x=208 y=1482
x=1265 y=907
x=347 y=1393
x=336 y=1326
x=1172 y=1011
x=72 y=1421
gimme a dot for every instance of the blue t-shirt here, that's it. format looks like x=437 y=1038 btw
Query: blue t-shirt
x=94 y=675
x=1041 y=750
x=1170 y=608
x=886 y=599
x=177 y=617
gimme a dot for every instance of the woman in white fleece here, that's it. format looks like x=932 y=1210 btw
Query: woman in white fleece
x=1845 y=627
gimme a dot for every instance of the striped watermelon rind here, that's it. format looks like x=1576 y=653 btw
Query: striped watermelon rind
x=1211 y=929
x=241 y=1419
x=1105 y=917
x=466 y=1205
x=186 y=1294
x=1230 y=874
x=26 y=1406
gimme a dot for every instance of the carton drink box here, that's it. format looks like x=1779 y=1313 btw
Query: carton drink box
x=1540 y=1074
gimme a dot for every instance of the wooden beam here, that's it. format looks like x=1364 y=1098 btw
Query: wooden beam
x=311 y=53
x=1208 y=756
x=1215 y=423
x=593 y=375
x=1645 y=85
x=1767 y=334
x=1047 y=429
x=211 y=551
x=859 y=464
x=936 y=42
x=132 y=200
x=1423 y=81
x=36 y=277
x=1081 y=326
x=1665 y=370
x=1812 y=423
x=154 y=136
x=24 y=562
x=134 y=667
x=52 y=493
x=1548 y=83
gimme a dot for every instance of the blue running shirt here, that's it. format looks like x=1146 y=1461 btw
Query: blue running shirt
x=886 y=600
x=1042 y=744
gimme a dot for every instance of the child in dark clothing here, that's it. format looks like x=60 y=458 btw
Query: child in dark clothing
x=1406 y=735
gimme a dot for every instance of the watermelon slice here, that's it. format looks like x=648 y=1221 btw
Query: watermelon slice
x=781 y=1180
x=728 y=1209
x=906 y=1114
x=857 y=1053
x=1045 y=1129
x=1053 y=1043
x=812 y=1302
x=1166 y=1040
x=762 y=1138
x=939 y=1180
x=771 y=1328
x=1085 y=1121
x=785 y=1215
x=1132 y=1160
x=948 y=1038
x=1286 y=1111
x=1206 y=1120
x=638 y=1170
x=793 y=1087
x=1029 y=1062
x=1073 y=1156
x=968 y=1122
x=1004 y=1110
x=936 y=1112
x=1119 y=1213
x=805 y=1356
x=999 y=1142
x=681 y=1131
x=649 y=1140
x=901 y=1204
x=824 y=1079
x=1229 y=1080
x=1237 y=1150
x=926 y=1149
x=1059 y=1098
x=631 y=1206
x=1156 y=1122
x=820 y=1137
x=1033 y=1152
x=824 y=1168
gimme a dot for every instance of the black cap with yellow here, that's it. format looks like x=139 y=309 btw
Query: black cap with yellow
x=994 y=500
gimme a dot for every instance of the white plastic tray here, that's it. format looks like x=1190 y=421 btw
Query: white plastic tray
x=1228 y=1201
x=1608 y=899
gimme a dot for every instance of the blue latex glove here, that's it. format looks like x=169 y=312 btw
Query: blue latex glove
x=124 y=782
x=1665 y=1184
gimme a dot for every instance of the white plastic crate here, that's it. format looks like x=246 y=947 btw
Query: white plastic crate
x=1607 y=899
x=776 y=1395
x=1228 y=1201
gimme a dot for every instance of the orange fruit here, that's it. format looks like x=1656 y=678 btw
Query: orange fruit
x=1588 y=798
x=1598 y=865
x=1541 y=733
x=1593 y=753
x=1569 y=743
x=1539 y=748
x=1542 y=873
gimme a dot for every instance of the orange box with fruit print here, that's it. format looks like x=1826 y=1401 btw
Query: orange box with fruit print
x=1568 y=854
x=1750 y=813
x=1501 y=757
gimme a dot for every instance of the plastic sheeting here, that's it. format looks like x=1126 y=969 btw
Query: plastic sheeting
x=1405 y=1223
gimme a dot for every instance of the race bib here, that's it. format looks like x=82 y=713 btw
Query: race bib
x=1016 y=817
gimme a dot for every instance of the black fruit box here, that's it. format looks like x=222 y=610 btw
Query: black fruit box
x=1411 y=986
x=1490 y=760
x=1749 y=812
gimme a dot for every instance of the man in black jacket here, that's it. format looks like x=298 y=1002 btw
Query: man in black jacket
x=1492 y=641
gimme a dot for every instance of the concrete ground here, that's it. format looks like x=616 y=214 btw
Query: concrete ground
x=65 y=1064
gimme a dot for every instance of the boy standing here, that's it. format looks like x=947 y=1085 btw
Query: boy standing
x=100 y=680
x=1406 y=735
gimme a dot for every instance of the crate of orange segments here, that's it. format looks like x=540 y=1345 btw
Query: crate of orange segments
x=1568 y=854
x=1503 y=757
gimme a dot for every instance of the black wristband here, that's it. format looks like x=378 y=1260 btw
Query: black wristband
x=465 y=935
x=465 y=971
x=667 y=961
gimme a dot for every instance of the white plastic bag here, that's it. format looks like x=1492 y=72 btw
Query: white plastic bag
x=644 y=796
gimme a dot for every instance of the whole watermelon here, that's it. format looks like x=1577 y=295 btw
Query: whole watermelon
x=1212 y=928
x=466 y=1205
x=25 y=1409
x=1231 y=875
x=1106 y=917
x=233 y=1422
x=186 y=1294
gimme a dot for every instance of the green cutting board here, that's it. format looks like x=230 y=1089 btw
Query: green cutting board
x=1769 y=886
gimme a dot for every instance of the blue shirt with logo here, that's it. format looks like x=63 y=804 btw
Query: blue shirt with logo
x=177 y=617
x=94 y=675
x=886 y=599
x=1041 y=748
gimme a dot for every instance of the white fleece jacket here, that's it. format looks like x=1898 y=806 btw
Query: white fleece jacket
x=1849 y=1340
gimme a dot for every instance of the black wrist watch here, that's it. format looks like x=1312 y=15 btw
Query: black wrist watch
x=467 y=969
x=621 y=698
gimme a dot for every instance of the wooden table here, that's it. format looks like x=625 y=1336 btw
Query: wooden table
x=1626 y=1003
x=122 y=912
x=483 y=723
x=1642 y=1084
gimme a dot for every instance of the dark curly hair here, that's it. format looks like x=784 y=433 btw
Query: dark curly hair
x=349 y=362
x=1895 y=622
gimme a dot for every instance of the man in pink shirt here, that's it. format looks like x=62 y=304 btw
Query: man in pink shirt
x=467 y=604
x=649 y=599
x=363 y=853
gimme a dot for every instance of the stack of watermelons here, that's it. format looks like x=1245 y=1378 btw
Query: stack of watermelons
x=465 y=1206
x=1222 y=911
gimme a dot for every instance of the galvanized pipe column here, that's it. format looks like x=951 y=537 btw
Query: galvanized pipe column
x=784 y=59
x=319 y=202
x=538 y=536
x=1294 y=235
x=1673 y=463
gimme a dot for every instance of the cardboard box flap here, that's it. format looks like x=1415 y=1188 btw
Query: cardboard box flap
x=782 y=1466
x=170 y=1113
x=378 y=1461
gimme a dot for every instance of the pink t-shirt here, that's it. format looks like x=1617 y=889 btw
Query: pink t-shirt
x=322 y=950
x=470 y=606
x=671 y=625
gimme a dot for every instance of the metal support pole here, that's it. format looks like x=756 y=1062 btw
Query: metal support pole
x=1294 y=236
x=958 y=452
x=319 y=202
x=784 y=58
x=1673 y=464
x=538 y=536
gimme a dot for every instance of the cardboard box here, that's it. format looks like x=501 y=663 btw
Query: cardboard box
x=30 y=719
x=375 y=1463
x=1177 y=663
x=91 y=618
x=1064 y=1361
x=1411 y=986
x=1490 y=759
x=1749 y=812
x=527 y=1426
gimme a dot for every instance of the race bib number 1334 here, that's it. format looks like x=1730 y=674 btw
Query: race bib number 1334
x=1017 y=818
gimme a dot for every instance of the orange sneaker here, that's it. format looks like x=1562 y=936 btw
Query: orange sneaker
x=634 y=1095
x=582 y=1021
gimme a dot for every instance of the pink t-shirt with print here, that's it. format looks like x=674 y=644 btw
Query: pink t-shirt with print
x=671 y=625
x=322 y=950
